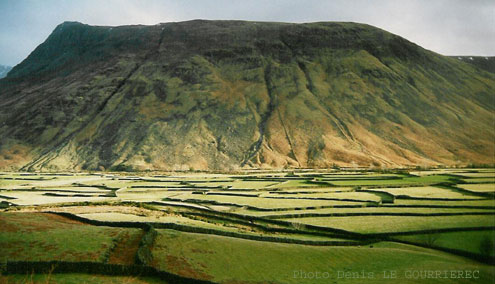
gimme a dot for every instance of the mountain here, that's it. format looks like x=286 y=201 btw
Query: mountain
x=486 y=63
x=220 y=95
x=4 y=70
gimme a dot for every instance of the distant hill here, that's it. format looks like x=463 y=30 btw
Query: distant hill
x=220 y=95
x=4 y=70
x=486 y=63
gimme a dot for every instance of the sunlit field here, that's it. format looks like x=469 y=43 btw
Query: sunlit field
x=248 y=227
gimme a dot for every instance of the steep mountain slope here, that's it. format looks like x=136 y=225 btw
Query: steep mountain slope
x=4 y=70
x=483 y=62
x=227 y=94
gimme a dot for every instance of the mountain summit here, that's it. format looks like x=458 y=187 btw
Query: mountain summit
x=220 y=95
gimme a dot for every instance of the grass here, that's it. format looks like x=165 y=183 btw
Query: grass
x=38 y=198
x=359 y=196
x=483 y=187
x=74 y=189
x=51 y=181
x=294 y=184
x=314 y=190
x=466 y=241
x=424 y=180
x=7 y=184
x=474 y=202
x=146 y=194
x=239 y=184
x=112 y=183
x=480 y=180
x=77 y=278
x=363 y=210
x=130 y=184
x=477 y=174
x=177 y=219
x=451 y=171
x=198 y=222
x=38 y=237
x=390 y=224
x=269 y=203
x=425 y=192
x=359 y=175
x=230 y=260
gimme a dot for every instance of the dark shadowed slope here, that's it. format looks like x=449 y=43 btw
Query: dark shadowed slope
x=226 y=94
x=486 y=63
x=4 y=70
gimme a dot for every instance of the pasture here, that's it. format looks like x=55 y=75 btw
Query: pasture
x=247 y=227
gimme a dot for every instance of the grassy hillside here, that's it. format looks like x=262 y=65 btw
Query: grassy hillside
x=228 y=94
x=486 y=63
x=224 y=260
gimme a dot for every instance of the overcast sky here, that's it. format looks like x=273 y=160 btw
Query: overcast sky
x=449 y=27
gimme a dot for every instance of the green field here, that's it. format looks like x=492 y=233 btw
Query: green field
x=390 y=224
x=365 y=210
x=483 y=187
x=360 y=196
x=237 y=184
x=425 y=192
x=293 y=184
x=480 y=180
x=77 y=278
x=423 y=180
x=226 y=260
x=266 y=203
x=43 y=237
x=250 y=227
x=454 y=203
x=465 y=241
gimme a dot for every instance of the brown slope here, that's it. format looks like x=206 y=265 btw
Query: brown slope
x=227 y=94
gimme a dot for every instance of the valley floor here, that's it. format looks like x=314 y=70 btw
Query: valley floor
x=359 y=226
